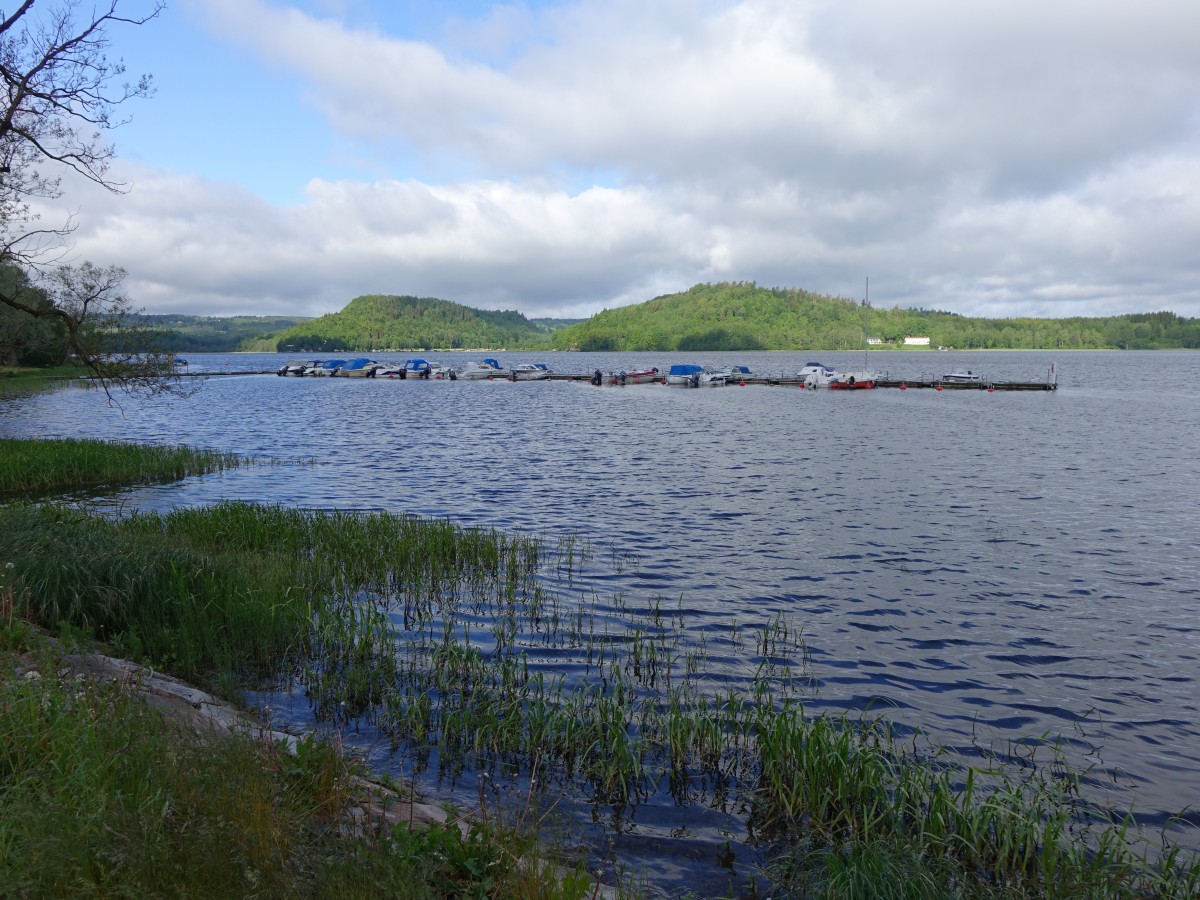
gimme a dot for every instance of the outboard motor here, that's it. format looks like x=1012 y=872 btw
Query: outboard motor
x=621 y=378
x=597 y=377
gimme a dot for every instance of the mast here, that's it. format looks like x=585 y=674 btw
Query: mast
x=866 y=322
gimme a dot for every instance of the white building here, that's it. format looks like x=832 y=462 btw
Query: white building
x=916 y=342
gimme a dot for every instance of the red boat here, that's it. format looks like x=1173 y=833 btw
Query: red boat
x=853 y=381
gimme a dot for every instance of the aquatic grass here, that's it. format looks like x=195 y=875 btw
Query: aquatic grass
x=460 y=648
x=35 y=467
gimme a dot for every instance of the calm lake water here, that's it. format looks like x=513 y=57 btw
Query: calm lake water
x=985 y=566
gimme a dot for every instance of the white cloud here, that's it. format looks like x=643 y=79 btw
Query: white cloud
x=988 y=158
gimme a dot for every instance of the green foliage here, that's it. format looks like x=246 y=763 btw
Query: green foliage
x=35 y=467
x=744 y=316
x=379 y=322
x=26 y=340
x=219 y=334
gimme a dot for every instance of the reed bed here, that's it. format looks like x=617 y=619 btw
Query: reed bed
x=34 y=468
x=476 y=651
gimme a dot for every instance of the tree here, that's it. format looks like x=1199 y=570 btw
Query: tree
x=61 y=93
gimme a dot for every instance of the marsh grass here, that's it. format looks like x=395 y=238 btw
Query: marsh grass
x=477 y=652
x=34 y=468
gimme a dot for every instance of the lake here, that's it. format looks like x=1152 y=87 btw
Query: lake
x=987 y=567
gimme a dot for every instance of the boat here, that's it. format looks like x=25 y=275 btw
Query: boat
x=861 y=379
x=418 y=368
x=643 y=377
x=686 y=374
x=297 y=367
x=529 y=372
x=816 y=374
x=359 y=367
x=967 y=377
x=858 y=380
x=740 y=373
x=323 y=368
x=391 y=370
x=484 y=369
x=710 y=377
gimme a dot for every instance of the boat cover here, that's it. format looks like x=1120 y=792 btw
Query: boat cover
x=685 y=369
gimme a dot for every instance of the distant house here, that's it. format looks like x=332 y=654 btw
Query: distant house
x=916 y=342
x=874 y=342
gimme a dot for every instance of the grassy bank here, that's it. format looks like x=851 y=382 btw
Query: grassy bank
x=432 y=635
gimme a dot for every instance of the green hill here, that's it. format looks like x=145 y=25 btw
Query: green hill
x=381 y=322
x=217 y=334
x=743 y=316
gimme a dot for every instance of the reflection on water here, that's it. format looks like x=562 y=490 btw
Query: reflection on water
x=984 y=566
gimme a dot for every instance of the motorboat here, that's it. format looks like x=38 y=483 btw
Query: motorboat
x=323 y=368
x=529 y=372
x=391 y=370
x=740 y=373
x=417 y=368
x=967 y=377
x=479 y=371
x=359 y=367
x=645 y=376
x=296 y=367
x=853 y=381
x=816 y=374
x=686 y=374
x=710 y=377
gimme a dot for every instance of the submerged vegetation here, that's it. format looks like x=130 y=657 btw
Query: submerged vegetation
x=439 y=635
x=483 y=656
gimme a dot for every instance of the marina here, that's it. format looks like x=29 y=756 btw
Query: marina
x=531 y=371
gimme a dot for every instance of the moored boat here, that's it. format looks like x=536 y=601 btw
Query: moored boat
x=529 y=372
x=684 y=374
x=967 y=377
x=816 y=374
x=359 y=367
x=712 y=377
x=323 y=368
x=858 y=380
x=644 y=376
x=296 y=367
x=484 y=369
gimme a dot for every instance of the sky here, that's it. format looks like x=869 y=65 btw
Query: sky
x=990 y=158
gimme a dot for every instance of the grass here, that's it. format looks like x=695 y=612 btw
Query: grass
x=434 y=635
x=33 y=468
x=100 y=796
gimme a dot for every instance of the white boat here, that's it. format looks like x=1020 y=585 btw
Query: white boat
x=710 y=377
x=740 y=373
x=482 y=370
x=967 y=377
x=323 y=368
x=359 y=367
x=529 y=372
x=685 y=374
x=296 y=367
x=391 y=370
x=816 y=374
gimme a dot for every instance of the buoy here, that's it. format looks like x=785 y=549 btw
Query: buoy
x=904 y=387
x=939 y=387
x=741 y=384
x=991 y=390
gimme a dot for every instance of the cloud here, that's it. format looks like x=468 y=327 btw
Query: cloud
x=987 y=158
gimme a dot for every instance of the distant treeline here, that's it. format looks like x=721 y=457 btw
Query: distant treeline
x=744 y=316
x=219 y=334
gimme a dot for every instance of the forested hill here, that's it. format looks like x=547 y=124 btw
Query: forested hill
x=743 y=316
x=217 y=334
x=381 y=322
